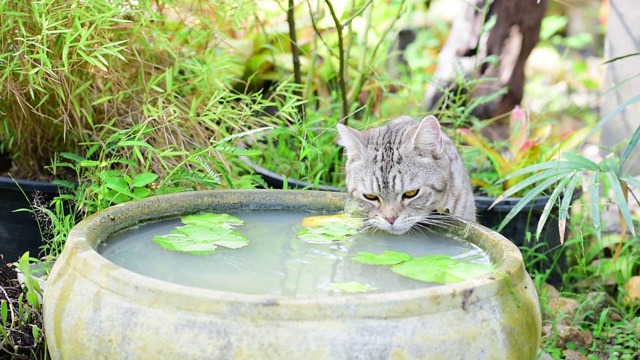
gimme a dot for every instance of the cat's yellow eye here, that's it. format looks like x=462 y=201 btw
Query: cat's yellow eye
x=370 y=197
x=409 y=194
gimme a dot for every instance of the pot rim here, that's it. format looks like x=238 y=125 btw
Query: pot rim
x=81 y=255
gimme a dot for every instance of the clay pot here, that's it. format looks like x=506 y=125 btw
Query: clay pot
x=94 y=308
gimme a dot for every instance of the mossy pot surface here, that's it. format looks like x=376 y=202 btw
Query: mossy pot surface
x=96 y=309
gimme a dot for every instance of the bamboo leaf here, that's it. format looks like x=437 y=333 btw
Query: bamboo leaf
x=243 y=134
x=525 y=200
x=632 y=144
x=614 y=182
x=582 y=161
x=594 y=197
x=611 y=115
x=541 y=176
x=566 y=202
x=631 y=181
x=554 y=164
x=550 y=203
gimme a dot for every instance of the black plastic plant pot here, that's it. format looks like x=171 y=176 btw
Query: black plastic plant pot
x=278 y=181
x=548 y=252
x=19 y=230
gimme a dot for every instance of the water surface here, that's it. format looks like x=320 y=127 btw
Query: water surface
x=276 y=262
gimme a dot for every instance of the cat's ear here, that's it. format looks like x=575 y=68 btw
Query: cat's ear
x=351 y=140
x=428 y=135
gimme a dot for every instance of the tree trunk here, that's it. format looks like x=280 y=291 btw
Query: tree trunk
x=495 y=55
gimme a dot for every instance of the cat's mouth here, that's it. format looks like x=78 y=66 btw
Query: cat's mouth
x=395 y=229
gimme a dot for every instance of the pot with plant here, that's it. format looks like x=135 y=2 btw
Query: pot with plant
x=567 y=172
x=495 y=176
x=301 y=156
x=53 y=76
x=64 y=94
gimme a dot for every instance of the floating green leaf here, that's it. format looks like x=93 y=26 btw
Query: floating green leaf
x=203 y=233
x=429 y=268
x=349 y=287
x=388 y=257
x=326 y=229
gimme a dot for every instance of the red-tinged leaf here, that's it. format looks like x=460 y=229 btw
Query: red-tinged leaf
x=562 y=224
x=496 y=201
x=518 y=114
x=542 y=134
x=479 y=183
x=519 y=128
x=567 y=143
x=499 y=163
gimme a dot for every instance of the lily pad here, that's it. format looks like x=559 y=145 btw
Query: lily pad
x=429 y=268
x=327 y=229
x=203 y=233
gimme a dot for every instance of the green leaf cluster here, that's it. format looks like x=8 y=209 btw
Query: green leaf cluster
x=21 y=330
x=203 y=233
x=564 y=175
x=331 y=229
x=429 y=268
x=527 y=145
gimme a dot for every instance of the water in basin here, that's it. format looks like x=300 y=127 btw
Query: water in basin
x=276 y=261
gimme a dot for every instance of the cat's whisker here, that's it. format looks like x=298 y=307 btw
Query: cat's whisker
x=445 y=221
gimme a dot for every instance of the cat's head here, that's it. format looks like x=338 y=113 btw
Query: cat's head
x=397 y=173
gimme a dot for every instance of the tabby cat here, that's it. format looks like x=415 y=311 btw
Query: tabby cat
x=401 y=172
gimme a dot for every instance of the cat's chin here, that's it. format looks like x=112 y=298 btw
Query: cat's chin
x=395 y=230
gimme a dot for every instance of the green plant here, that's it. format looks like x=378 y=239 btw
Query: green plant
x=305 y=152
x=527 y=145
x=107 y=177
x=69 y=67
x=566 y=172
x=203 y=233
x=337 y=53
x=21 y=329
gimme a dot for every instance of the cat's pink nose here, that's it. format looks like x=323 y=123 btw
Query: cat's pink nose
x=391 y=220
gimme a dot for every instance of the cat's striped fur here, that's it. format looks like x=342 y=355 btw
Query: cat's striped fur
x=400 y=172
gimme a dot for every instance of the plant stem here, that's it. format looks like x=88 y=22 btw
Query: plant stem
x=295 y=55
x=342 y=72
x=308 y=85
x=360 y=80
x=357 y=88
